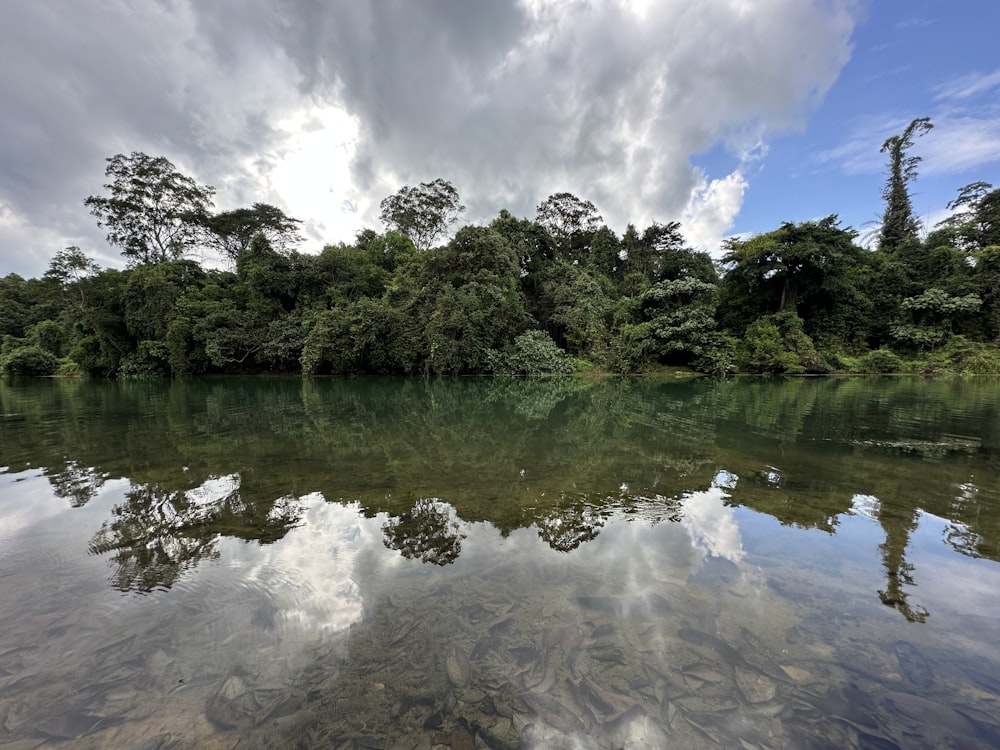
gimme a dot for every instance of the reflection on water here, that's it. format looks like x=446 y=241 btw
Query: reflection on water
x=389 y=564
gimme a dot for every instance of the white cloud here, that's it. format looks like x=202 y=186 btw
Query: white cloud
x=309 y=172
x=711 y=210
x=316 y=106
x=958 y=144
x=968 y=86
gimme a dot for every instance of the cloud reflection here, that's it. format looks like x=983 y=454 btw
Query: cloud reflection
x=310 y=573
x=712 y=524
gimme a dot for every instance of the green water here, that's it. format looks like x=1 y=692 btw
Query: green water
x=803 y=563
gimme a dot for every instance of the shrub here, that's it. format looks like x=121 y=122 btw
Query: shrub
x=69 y=369
x=48 y=335
x=983 y=362
x=718 y=360
x=147 y=362
x=879 y=362
x=29 y=360
x=763 y=350
x=533 y=354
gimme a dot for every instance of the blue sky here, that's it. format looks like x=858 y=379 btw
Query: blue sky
x=921 y=58
x=730 y=116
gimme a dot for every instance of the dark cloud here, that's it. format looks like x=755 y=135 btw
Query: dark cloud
x=511 y=101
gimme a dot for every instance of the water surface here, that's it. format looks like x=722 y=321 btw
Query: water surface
x=397 y=564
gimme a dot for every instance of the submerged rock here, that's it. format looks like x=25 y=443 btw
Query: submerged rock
x=756 y=688
x=238 y=705
x=458 y=667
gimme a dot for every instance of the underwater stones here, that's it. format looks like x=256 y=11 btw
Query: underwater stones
x=458 y=667
x=238 y=705
x=755 y=687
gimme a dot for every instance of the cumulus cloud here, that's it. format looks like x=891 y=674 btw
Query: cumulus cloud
x=511 y=101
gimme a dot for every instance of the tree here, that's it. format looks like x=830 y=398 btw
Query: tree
x=154 y=213
x=422 y=213
x=230 y=232
x=70 y=265
x=931 y=317
x=809 y=268
x=681 y=316
x=976 y=222
x=660 y=254
x=898 y=222
x=570 y=220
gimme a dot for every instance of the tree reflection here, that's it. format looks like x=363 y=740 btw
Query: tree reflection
x=973 y=529
x=429 y=532
x=156 y=535
x=77 y=484
x=515 y=454
x=572 y=524
x=899 y=573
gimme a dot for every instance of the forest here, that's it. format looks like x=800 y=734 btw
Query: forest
x=557 y=294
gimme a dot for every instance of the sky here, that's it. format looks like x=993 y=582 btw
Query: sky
x=730 y=116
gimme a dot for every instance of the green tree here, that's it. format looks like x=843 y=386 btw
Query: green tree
x=388 y=251
x=533 y=354
x=575 y=307
x=100 y=336
x=975 y=223
x=777 y=344
x=70 y=265
x=153 y=213
x=422 y=213
x=930 y=317
x=680 y=315
x=30 y=360
x=15 y=305
x=811 y=269
x=357 y=337
x=571 y=221
x=231 y=232
x=899 y=226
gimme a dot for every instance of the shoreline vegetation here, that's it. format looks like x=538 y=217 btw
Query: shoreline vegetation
x=556 y=295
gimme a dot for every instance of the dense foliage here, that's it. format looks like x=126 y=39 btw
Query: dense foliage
x=517 y=297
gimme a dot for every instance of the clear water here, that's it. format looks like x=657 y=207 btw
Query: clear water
x=807 y=563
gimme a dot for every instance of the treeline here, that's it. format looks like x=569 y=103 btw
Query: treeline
x=549 y=295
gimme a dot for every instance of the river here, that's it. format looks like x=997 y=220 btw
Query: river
x=746 y=563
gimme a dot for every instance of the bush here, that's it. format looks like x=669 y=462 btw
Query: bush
x=763 y=350
x=147 y=362
x=971 y=357
x=69 y=369
x=30 y=360
x=533 y=354
x=719 y=360
x=48 y=335
x=879 y=362
x=983 y=362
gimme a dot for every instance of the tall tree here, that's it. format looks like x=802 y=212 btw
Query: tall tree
x=809 y=269
x=153 y=212
x=230 y=232
x=70 y=265
x=422 y=213
x=570 y=220
x=898 y=223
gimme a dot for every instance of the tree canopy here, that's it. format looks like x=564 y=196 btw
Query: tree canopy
x=423 y=213
x=230 y=232
x=519 y=296
x=153 y=212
